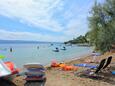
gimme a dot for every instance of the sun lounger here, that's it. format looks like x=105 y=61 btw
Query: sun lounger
x=95 y=74
x=100 y=65
x=90 y=72
x=107 y=62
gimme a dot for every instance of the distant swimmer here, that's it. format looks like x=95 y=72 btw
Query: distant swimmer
x=11 y=50
x=37 y=47
x=51 y=44
x=64 y=48
x=57 y=50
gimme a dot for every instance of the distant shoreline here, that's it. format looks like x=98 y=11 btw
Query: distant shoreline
x=25 y=42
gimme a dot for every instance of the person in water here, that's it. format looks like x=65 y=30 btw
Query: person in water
x=37 y=47
x=64 y=48
x=57 y=50
x=51 y=44
x=10 y=49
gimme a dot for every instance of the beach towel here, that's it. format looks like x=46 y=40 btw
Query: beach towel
x=4 y=71
x=86 y=65
x=113 y=72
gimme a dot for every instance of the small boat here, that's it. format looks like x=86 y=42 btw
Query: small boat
x=63 y=48
x=56 y=50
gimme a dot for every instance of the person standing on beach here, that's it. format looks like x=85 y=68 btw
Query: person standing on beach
x=95 y=55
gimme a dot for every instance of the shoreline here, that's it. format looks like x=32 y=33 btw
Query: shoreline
x=68 y=60
x=76 y=58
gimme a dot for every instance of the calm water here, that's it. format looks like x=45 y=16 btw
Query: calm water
x=27 y=53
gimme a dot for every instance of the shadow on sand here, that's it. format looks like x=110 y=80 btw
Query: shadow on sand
x=35 y=83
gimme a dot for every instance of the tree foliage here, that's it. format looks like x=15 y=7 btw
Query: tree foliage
x=102 y=25
x=78 y=40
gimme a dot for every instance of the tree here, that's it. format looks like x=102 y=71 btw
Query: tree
x=79 y=39
x=102 y=25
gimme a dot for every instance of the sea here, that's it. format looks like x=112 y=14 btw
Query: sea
x=23 y=53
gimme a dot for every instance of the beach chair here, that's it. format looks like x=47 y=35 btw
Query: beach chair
x=100 y=66
x=92 y=72
x=107 y=62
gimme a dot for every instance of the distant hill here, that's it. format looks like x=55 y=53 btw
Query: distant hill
x=22 y=42
x=79 y=40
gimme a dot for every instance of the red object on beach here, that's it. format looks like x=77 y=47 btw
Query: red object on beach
x=11 y=67
x=69 y=68
x=62 y=65
x=54 y=64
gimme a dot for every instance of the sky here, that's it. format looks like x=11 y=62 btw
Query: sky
x=44 y=20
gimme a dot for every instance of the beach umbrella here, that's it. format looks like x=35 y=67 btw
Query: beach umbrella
x=2 y=57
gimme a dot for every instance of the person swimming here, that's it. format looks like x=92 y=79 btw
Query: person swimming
x=11 y=50
x=51 y=44
x=37 y=47
x=64 y=48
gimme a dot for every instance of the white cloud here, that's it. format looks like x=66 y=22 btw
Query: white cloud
x=9 y=35
x=40 y=14
x=33 y=12
x=77 y=16
x=76 y=27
